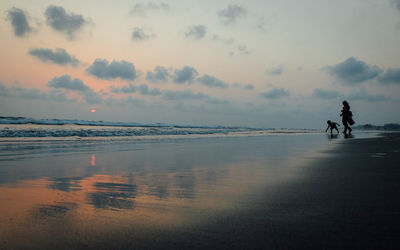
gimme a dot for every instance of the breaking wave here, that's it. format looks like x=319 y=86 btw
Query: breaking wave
x=29 y=127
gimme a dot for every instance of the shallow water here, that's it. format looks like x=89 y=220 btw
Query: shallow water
x=74 y=194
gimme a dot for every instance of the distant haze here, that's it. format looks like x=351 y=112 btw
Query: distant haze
x=284 y=64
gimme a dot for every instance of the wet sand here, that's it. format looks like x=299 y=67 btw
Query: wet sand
x=348 y=199
x=235 y=193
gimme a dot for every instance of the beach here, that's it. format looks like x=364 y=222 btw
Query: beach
x=289 y=191
x=199 y=125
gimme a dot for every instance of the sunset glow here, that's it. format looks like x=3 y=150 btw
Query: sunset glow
x=252 y=63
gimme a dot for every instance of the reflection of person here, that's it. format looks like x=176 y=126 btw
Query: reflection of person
x=332 y=125
x=346 y=117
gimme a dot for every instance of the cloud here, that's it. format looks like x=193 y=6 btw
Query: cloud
x=391 y=76
x=102 y=70
x=19 y=22
x=243 y=86
x=353 y=71
x=144 y=90
x=142 y=9
x=138 y=34
x=196 y=31
x=248 y=86
x=37 y=94
x=218 y=38
x=212 y=82
x=241 y=49
x=160 y=74
x=231 y=14
x=92 y=97
x=66 y=82
x=33 y=94
x=326 y=94
x=186 y=74
x=25 y=93
x=57 y=95
x=276 y=93
x=58 y=56
x=216 y=101
x=396 y=3
x=244 y=50
x=183 y=95
x=362 y=95
x=125 y=89
x=4 y=91
x=61 y=21
x=59 y=87
x=275 y=71
x=261 y=23
x=134 y=101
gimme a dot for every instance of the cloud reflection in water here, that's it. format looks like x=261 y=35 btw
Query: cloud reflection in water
x=113 y=195
x=66 y=184
x=58 y=210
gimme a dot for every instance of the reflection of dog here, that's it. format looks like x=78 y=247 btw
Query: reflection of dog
x=332 y=136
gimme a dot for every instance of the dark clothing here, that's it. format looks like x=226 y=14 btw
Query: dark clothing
x=346 y=116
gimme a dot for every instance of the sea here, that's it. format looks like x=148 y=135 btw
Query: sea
x=22 y=128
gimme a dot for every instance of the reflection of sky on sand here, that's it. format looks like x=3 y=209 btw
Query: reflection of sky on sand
x=140 y=187
x=93 y=161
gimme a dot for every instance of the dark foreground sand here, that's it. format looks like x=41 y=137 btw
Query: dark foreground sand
x=348 y=200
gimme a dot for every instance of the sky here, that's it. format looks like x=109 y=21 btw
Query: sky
x=257 y=63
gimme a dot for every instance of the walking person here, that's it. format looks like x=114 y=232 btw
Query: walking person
x=347 y=119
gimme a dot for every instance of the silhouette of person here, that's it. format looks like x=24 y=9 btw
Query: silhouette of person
x=332 y=126
x=346 y=117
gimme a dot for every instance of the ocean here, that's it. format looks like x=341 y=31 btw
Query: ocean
x=21 y=127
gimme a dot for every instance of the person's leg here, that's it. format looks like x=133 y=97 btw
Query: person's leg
x=345 y=126
x=348 y=127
